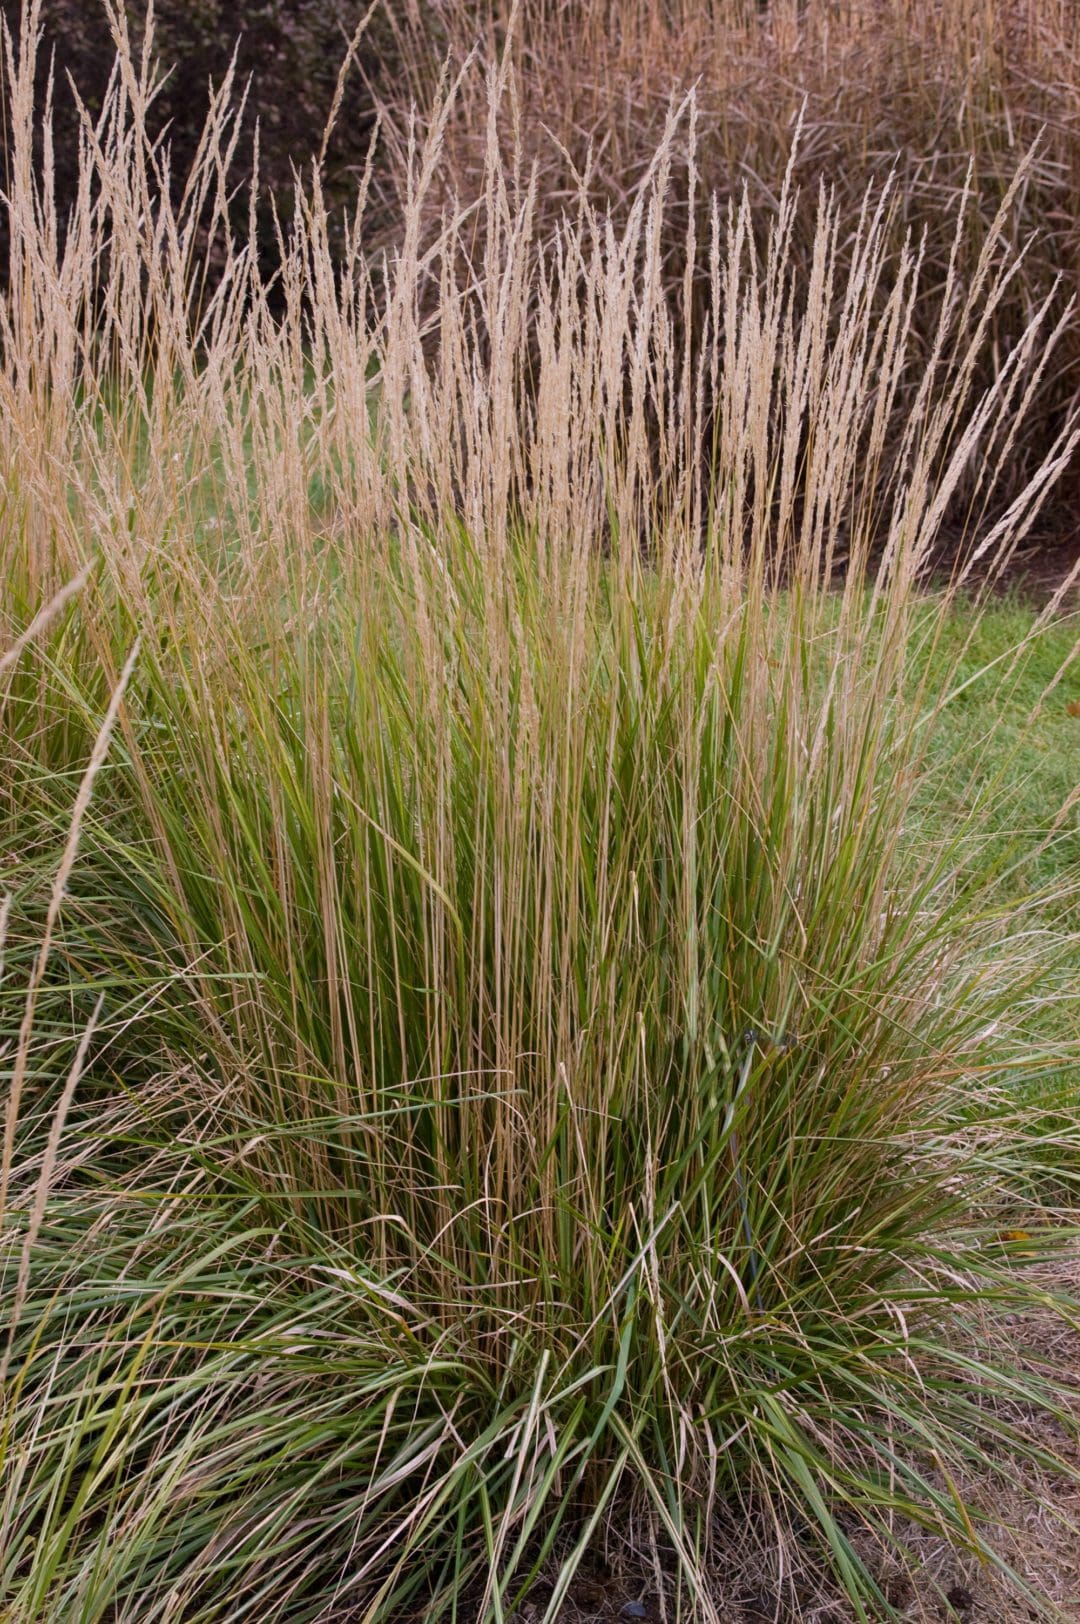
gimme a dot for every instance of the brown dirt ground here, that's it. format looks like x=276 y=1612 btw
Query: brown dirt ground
x=1040 y=565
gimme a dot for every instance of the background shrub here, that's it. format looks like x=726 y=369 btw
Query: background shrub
x=291 y=51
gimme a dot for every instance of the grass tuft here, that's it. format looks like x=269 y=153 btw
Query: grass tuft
x=515 y=1048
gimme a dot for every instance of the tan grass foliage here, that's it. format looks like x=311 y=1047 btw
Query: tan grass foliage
x=947 y=97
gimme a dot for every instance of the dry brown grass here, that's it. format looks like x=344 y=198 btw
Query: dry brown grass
x=945 y=97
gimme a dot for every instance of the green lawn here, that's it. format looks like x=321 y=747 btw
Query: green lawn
x=1017 y=745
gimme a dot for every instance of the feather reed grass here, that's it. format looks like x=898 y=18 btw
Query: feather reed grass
x=503 y=1061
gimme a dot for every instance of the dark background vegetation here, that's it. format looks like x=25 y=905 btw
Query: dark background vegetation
x=290 y=50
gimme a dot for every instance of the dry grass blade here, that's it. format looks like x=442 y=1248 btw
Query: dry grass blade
x=43 y=618
x=57 y=895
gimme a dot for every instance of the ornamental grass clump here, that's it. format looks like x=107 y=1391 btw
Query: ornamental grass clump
x=489 y=1055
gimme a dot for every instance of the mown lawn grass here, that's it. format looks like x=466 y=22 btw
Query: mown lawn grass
x=1017 y=745
x=1004 y=765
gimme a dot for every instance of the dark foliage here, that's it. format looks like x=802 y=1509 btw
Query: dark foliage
x=291 y=51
